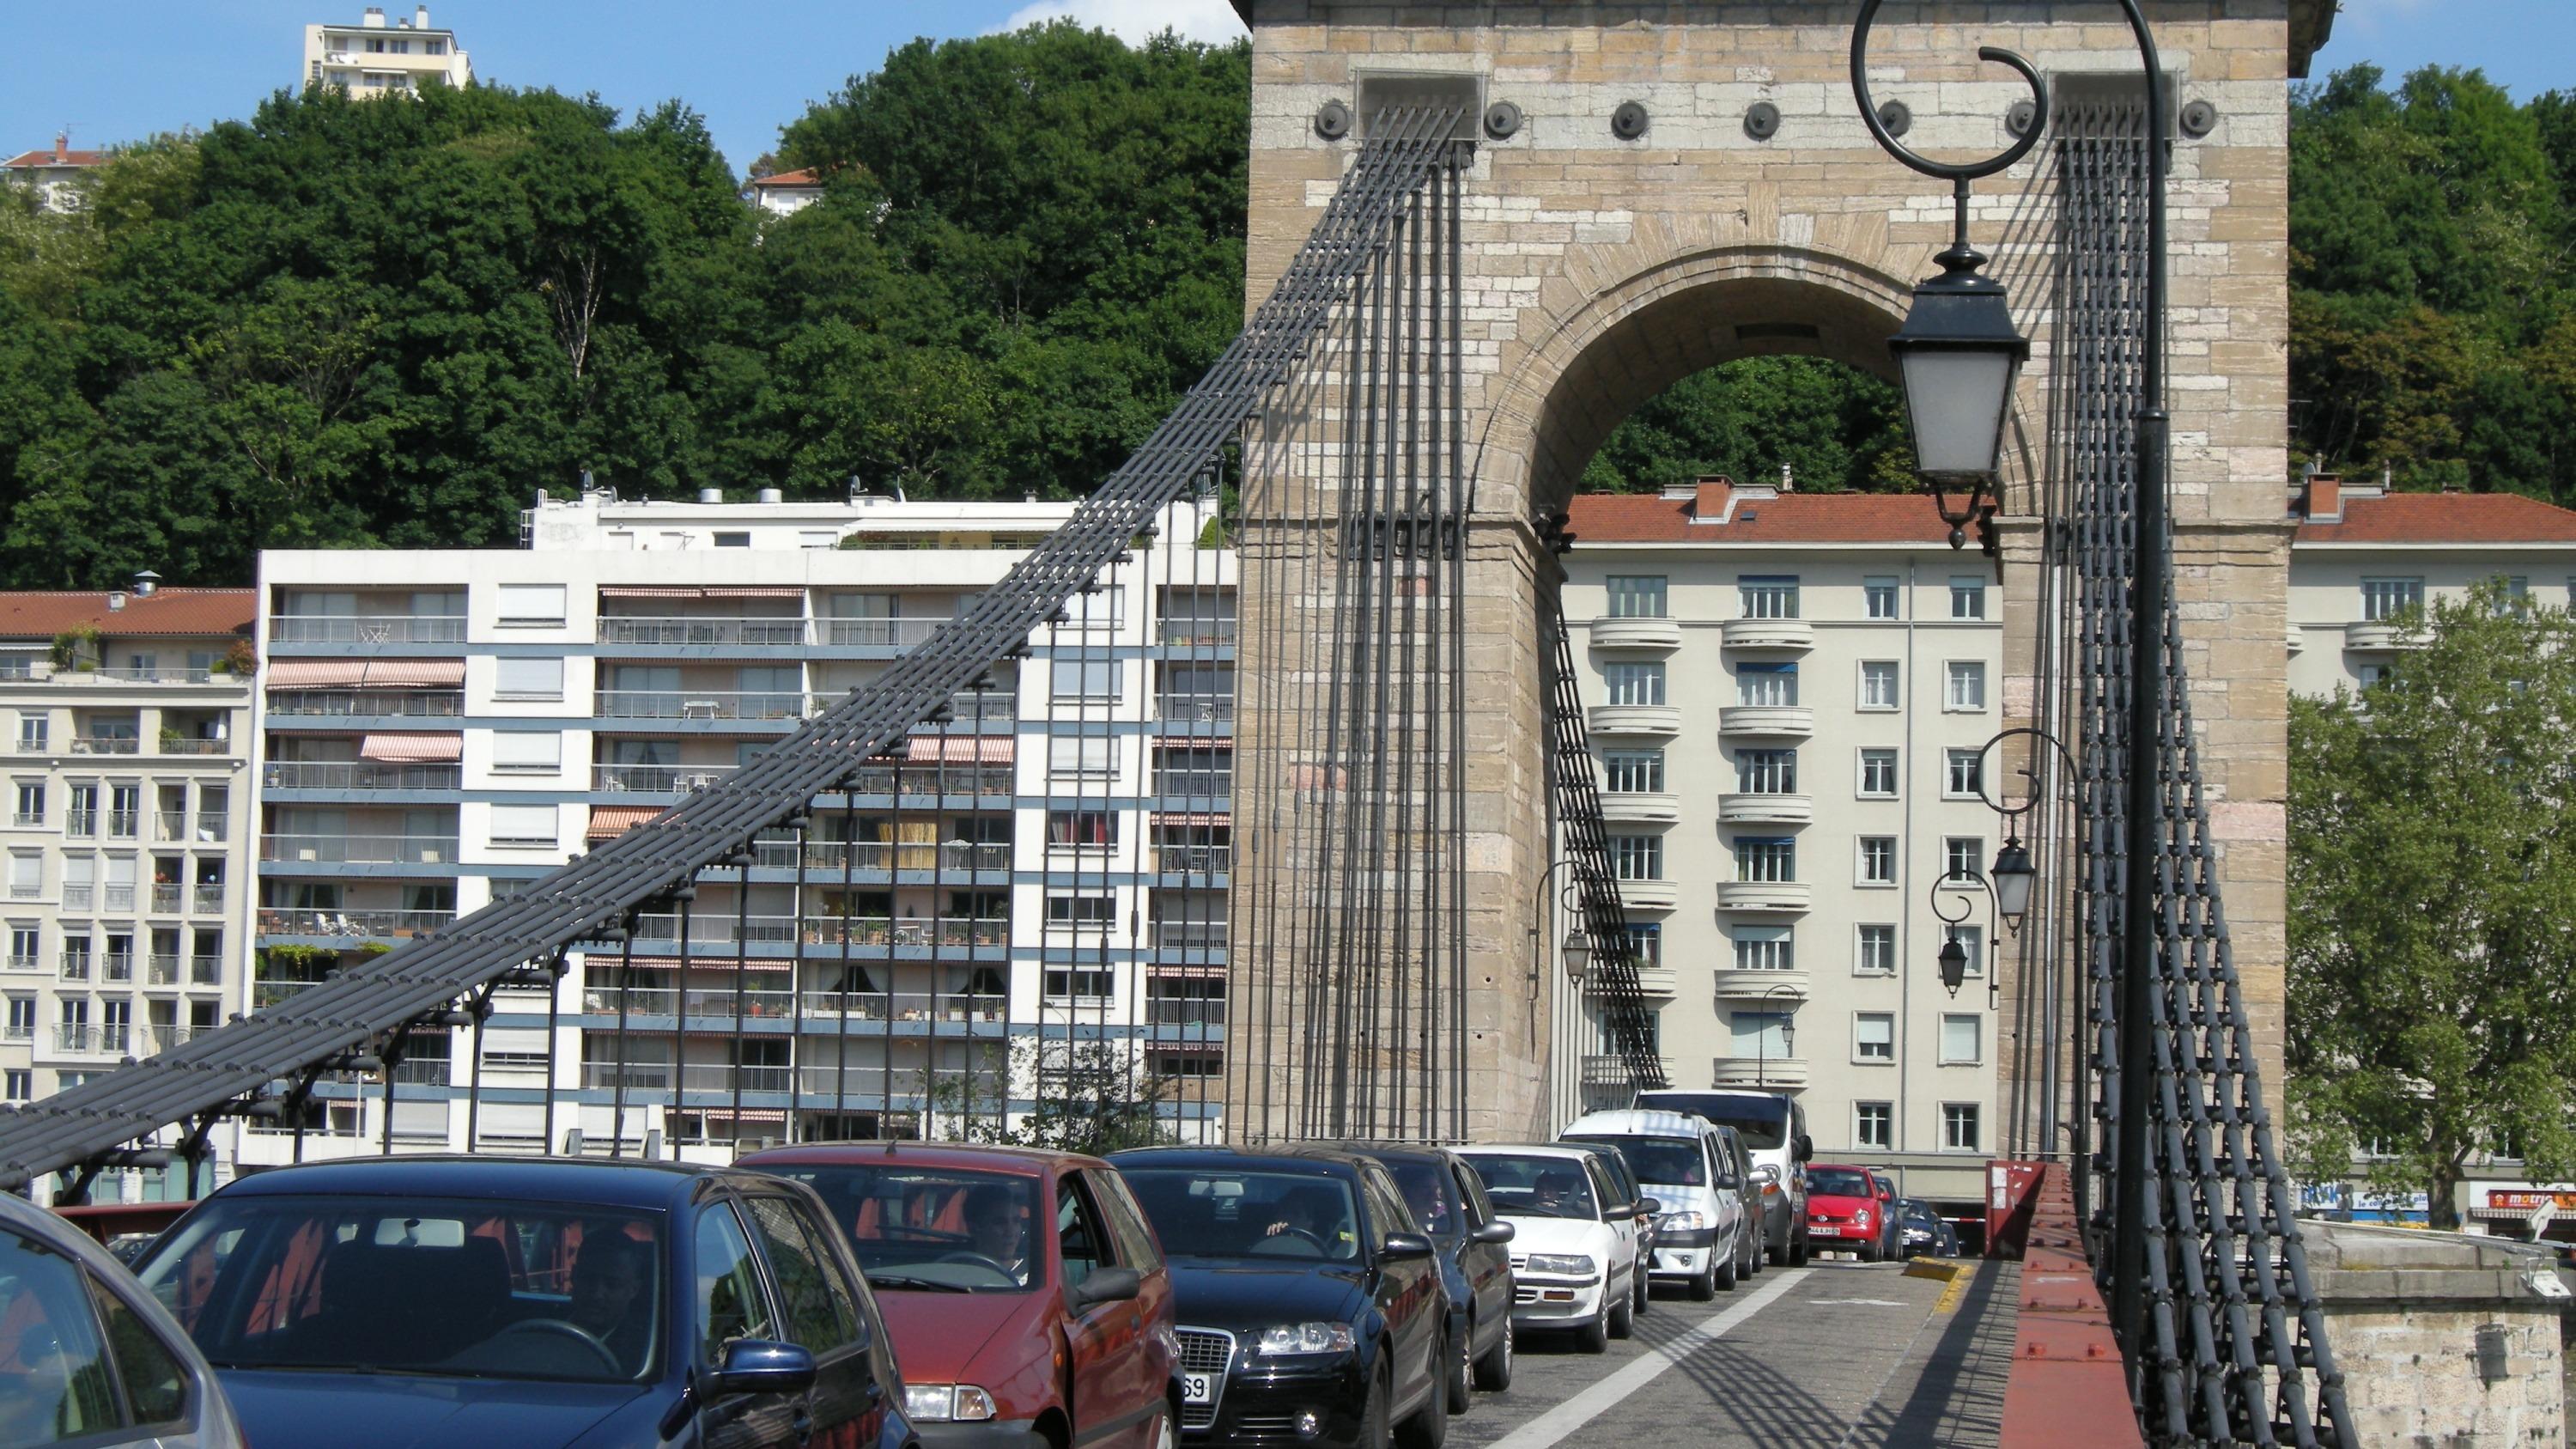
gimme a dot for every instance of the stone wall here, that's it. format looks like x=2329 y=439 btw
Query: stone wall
x=2404 y=1310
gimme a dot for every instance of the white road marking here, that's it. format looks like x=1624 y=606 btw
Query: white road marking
x=1553 y=1426
x=1855 y=1303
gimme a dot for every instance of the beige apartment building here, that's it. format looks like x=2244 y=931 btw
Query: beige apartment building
x=128 y=873
x=375 y=57
x=1787 y=696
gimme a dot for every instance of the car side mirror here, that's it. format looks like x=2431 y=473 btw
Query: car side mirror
x=1729 y=1182
x=1806 y=1148
x=1401 y=1246
x=1650 y=1206
x=1106 y=1285
x=1497 y=1231
x=758 y=1366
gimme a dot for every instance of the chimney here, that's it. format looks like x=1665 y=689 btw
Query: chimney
x=374 y=18
x=115 y=600
x=2321 y=498
x=711 y=495
x=1716 y=498
x=62 y=145
x=773 y=495
x=145 y=582
x=1787 y=482
x=420 y=17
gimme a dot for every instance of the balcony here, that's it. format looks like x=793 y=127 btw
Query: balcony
x=365 y=704
x=1187 y=936
x=926 y=780
x=206 y=899
x=1765 y=809
x=714 y=704
x=1764 y=634
x=1604 y=1070
x=1764 y=895
x=830 y=1007
x=878 y=633
x=161 y=1037
x=655 y=779
x=959 y=856
x=1641 y=807
x=1755 y=985
x=1193 y=859
x=1760 y=1072
x=357 y=925
x=116 y=967
x=1207 y=632
x=1649 y=895
x=161 y=968
x=360 y=775
x=203 y=749
x=79 y=897
x=2381 y=635
x=107 y=744
x=76 y=966
x=1785 y=721
x=205 y=970
x=683 y=632
x=1195 y=708
x=70 y=1037
x=421 y=1071
x=717 y=1077
x=1661 y=636
x=358 y=849
x=1634 y=719
x=1184 y=1011
x=366 y=629
x=117 y=899
x=264 y=994
x=1652 y=980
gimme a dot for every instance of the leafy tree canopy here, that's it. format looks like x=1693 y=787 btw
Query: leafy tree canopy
x=1835 y=427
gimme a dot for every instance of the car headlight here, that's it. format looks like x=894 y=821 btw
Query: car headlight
x=1284 y=1339
x=1685 y=1221
x=947 y=1403
x=1570 y=1265
x=1861 y=1216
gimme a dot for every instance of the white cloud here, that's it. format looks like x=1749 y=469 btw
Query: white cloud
x=1213 y=21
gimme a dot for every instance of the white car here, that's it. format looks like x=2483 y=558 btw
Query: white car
x=1703 y=1239
x=1574 y=1249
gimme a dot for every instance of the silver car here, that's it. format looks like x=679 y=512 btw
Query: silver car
x=88 y=1357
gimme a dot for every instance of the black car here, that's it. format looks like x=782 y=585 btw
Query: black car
x=517 y=1303
x=1448 y=1199
x=1630 y=1190
x=1309 y=1300
x=1923 y=1229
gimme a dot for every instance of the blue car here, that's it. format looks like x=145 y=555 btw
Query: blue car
x=519 y=1303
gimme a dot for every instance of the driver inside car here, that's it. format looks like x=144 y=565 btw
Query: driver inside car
x=994 y=1228
x=608 y=1303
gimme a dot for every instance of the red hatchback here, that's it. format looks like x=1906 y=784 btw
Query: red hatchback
x=1847 y=1207
x=1024 y=1290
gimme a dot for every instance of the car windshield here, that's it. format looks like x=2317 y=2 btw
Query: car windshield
x=455 y=1288
x=926 y=1229
x=1664 y=1161
x=1226 y=1213
x=1428 y=1191
x=1762 y=1121
x=1837 y=1182
x=1919 y=1213
x=1533 y=1186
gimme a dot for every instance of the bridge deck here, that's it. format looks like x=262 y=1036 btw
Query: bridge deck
x=1838 y=1353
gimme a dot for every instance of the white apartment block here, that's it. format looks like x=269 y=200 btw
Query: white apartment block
x=59 y=177
x=785 y=193
x=377 y=58
x=438 y=728
x=1787 y=694
x=129 y=797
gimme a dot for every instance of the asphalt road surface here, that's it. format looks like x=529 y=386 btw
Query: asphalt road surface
x=1837 y=1353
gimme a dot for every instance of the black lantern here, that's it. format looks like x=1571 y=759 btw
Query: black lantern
x=1959 y=355
x=1954 y=965
x=2012 y=877
x=1578 y=952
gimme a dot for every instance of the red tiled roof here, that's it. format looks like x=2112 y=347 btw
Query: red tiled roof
x=806 y=177
x=28 y=160
x=166 y=611
x=1789 y=518
x=2445 y=518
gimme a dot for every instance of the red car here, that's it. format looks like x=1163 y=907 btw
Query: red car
x=1024 y=1290
x=1850 y=1207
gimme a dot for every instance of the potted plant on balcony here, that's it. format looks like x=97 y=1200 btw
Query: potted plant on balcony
x=77 y=649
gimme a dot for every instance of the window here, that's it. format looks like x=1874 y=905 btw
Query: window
x=1879 y=597
x=2370 y=674
x=1878 y=774
x=26 y=948
x=1967 y=686
x=81 y=815
x=22 y=1019
x=1878 y=860
x=1877 y=953
x=1638 y=857
x=2517 y=594
x=433 y=47
x=1088 y=681
x=527 y=752
x=1632 y=772
x=524 y=826
x=811 y=1296
x=730 y=1303
x=527 y=679
x=26 y=876
x=1768 y=596
x=1874 y=1036
x=31 y=804
x=1765 y=684
x=1098 y=985
x=531 y=606
x=1963 y=858
x=1101 y=608
x=1766 y=772
x=1634 y=683
x=124 y=811
x=1766 y=858
x=1646 y=938
x=1760 y=1033
x=1081 y=829
x=1764 y=948
x=1070 y=910
x=733 y=538
x=1636 y=596
x=1878 y=684
x=1959 y=1039
x=1965 y=774
x=2385 y=599
x=1873 y=1124
x=1967 y=596
x=1959 y=1126
x=1080 y=759
x=31 y=733
x=20 y=1086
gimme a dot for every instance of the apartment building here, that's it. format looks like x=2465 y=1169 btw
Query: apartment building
x=56 y=176
x=785 y=193
x=127 y=868
x=375 y=57
x=1787 y=696
x=439 y=728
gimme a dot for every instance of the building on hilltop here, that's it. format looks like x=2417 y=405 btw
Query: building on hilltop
x=128 y=870
x=438 y=728
x=786 y=193
x=57 y=176
x=374 y=58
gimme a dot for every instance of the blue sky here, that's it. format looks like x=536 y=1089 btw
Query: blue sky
x=120 y=71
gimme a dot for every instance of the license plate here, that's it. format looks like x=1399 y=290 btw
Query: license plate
x=1198 y=1388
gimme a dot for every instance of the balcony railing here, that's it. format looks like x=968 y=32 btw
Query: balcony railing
x=702 y=631
x=1194 y=784
x=878 y=633
x=270 y=993
x=1183 y=1011
x=124 y=824
x=360 y=925
x=1202 y=708
x=26 y=963
x=655 y=779
x=877 y=855
x=117 y=898
x=161 y=1038
x=706 y=704
x=422 y=1071
x=359 y=849
x=358 y=704
x=75 y=1038
x=713 y=928
x=185 y=745
x=207 y=899
x=1183 y=633
x=116 y=966
x=18 y=1031
x=26 y=818
x=948 y=932
x=161 y=968
x=716 y=1077
x=1188 y=935
x=366 y=629
x=932 y=780
x=168 y=899
x=170 y=825
x=212 y=828
x=78 y=897
x=107 y=744
x=650 y=1076
x=80 y=822
x=35 y=744
x=360 y=775
x=900 y=1006
x=205 y=970
x=1193 y=859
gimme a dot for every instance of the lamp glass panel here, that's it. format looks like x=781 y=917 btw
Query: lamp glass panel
x=1955 y=397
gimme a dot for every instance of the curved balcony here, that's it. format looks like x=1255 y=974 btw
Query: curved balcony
x=1767 y=634
x=1764 y=895
x=1650 y=895
x=1660 y=635
x=1756 y=985
x=1789 y=1074
x=1659 y=981
x=1634 y=719
x=2378 y=635
x=1781 y=721
x=1641 y=807
x=1739 y=809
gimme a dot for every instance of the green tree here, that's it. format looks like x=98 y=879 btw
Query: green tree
x=2432 y=890
x=1837 y=428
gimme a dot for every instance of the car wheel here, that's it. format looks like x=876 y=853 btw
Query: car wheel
x=1494 y=1370
x=1594 y=1337
x=1374 y=1412
x=1719 y=1275
x=1623 y=1318
x=1779 y=1251
x=1462 y=1368
x=1645 y=1287
x=1758 y=1251
x=1164 y=1419
x=1867 y=1252
x=1801 y=1248
x=1429 y=1425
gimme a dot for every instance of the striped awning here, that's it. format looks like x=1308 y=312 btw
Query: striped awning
x=700 y=591
x=1173 y=971
x=754 y=591
x=738 y=1114
x=412 y=748
x=1197 y=742
x=960 y=749
x=366 y=673
x=1203 y=819
x=316 y=673
x=707 y=961
x=610 y=821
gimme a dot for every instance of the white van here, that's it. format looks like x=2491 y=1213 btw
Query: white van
x=1774 y=1129
x=1701 y=1236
